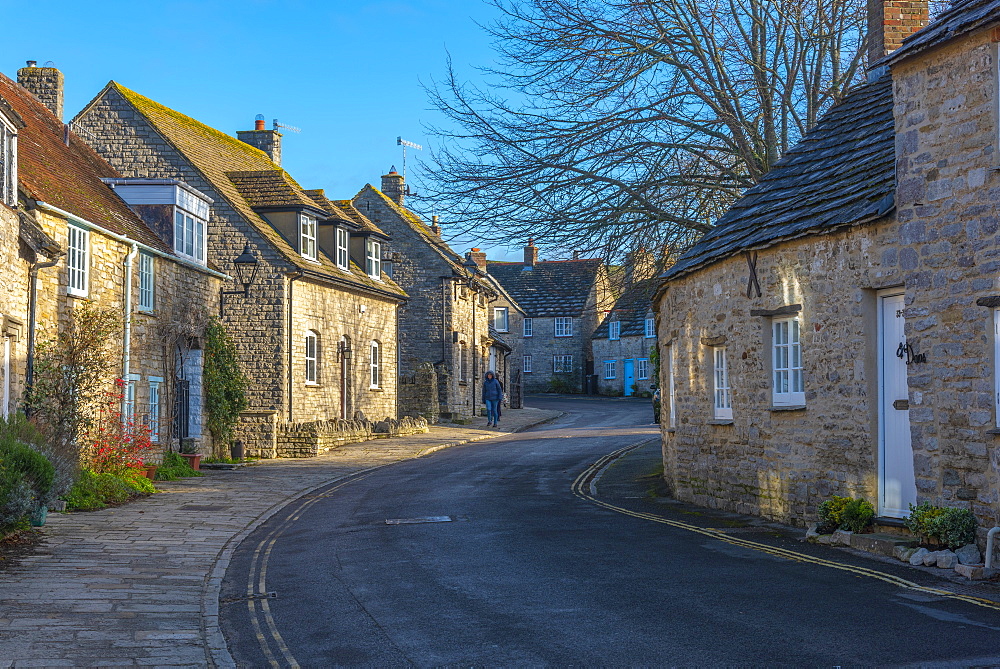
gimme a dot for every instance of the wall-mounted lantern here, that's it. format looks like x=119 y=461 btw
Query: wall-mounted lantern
x=247 y=267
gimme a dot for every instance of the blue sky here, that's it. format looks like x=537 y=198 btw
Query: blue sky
x=348 y=74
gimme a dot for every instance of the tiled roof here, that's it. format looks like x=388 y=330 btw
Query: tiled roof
x=630 y=310
x=498 y=339
x=68 y=176
x=841 y=173
x=269 y=188
x=551 y=287
x=217 y=155
x=350 y=213
x=962 y=17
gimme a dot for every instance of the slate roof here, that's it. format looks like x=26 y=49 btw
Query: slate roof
x=840 y=173
x=498 y=339
x=551 y=287
x=964 y=16
x=69 y=176
x=630 y=310
x=218 y=157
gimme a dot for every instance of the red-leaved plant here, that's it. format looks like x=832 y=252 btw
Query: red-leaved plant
x=115 y=443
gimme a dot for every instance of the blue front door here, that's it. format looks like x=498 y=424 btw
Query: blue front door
x=629 y=378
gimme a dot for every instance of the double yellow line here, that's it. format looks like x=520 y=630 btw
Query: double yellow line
x=582 y=488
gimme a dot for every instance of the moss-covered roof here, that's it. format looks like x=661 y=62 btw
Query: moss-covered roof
x=218 y=155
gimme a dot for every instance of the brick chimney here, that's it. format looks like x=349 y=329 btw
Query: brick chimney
x=45 y=83
x=435 y=225
x=393 y=186
x=479 y=257
x=892 y=21
x=268 y=141
x=530 y=254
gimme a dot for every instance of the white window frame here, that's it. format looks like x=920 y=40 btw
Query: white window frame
x=343 y=253
x=642 y=369
x=649 y=331
x=373 y=259
x=8 y=163
x=77 y=260
x=563 y=326
x=526 y=363
x=501 y=319
x=312 y=358
x=615 y=330
x=153 y=415
x=562 y=364
x=307 y=237
x=787 y=382
x=721 y=392
x=527 y=327
x=671 y=396
x=189 y=235
x=610 y=369
x=374 y=365
x=128 y=400
x=147 y=282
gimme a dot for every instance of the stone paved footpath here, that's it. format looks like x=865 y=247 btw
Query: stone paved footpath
x=138 y=585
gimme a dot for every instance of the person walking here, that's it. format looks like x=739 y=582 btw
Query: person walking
x=492 y=396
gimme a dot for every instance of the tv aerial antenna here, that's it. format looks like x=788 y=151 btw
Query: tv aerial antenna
x=286 y=127
x=403 y=143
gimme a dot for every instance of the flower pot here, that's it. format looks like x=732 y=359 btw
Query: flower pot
x=151 y=472
x=39 y=515
x=194 y=460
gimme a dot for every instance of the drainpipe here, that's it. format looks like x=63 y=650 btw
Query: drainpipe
x=127 y=337
x=989 y=547
x=291 y=340
x=29 y=376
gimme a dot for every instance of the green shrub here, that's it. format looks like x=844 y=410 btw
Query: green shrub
x=856 y=515
x=19 y=428
x=921 y=518
x=25 y=481
x=96 y=491
x=951 y=526
x=174 y=467
x=830 y=514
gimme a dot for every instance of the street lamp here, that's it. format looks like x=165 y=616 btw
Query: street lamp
x=247 y=266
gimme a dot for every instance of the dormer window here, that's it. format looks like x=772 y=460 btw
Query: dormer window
x=189 y=235
x=343 y=244
x=8 y=163
x=307 y=236
x=373 y=258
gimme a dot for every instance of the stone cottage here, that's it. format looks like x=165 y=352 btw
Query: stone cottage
x=82 y=244
x=316 y=319
x=623 y=341
x=835 y=333
x=445 y=341
x=563 y=301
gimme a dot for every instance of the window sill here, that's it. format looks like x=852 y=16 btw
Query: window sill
x=79 y=296
x=670 y=430
x=311 y=384
x=375 y=389
x=463 y=383
x=146 y=312
x=721 y=421
x=787 y=407
x=994 y=431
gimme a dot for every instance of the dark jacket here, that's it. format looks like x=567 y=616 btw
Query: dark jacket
x=492 y=389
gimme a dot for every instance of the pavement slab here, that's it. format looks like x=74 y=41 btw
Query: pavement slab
x=138 y=585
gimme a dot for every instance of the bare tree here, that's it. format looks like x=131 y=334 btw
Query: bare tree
x=612 y=124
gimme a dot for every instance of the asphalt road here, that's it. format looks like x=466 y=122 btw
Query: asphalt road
x=531 y=550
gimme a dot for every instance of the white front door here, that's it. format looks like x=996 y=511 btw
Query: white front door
x=897 y=487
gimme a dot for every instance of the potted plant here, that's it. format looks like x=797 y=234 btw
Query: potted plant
x=188 y=452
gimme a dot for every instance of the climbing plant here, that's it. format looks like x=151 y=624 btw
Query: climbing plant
x=225 y=384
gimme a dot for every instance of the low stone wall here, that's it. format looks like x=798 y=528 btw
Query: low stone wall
x=306 y=440
x=418 y=393
x=258 y=431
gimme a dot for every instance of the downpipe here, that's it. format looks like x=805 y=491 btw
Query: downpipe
x=989 y=547
x=127 y=335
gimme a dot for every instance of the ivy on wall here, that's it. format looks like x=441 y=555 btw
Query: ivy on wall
x=225 y=384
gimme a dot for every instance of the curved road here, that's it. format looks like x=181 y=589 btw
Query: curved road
x=521 y=551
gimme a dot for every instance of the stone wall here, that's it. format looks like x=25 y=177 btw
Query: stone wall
x=543 y=345
x=360 y=318
x=304 y=440
x=948 y=189
x=418 y=393
x=13 y=306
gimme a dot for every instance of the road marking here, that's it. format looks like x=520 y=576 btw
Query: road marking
x=416 y=521
x=582 y=489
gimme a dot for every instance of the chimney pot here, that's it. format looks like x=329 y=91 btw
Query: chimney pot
x=32 y=63
x=259 y=125
x=479 y=257
x=435 y=226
